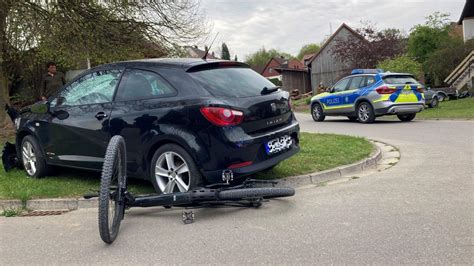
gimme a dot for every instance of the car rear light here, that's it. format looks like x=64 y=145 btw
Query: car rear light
x=385 y=90
x=221 y=116
x=239 y=165
x=420 y=90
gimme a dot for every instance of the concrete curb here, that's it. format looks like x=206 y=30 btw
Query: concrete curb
x=335 y=173
x=294 y=181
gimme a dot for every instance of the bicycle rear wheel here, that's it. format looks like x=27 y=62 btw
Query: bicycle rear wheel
x=113 y=184
x=246 y=193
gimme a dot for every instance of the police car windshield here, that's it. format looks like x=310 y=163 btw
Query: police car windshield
x=399 y=79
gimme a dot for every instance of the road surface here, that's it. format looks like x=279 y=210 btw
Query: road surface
x=419 y=211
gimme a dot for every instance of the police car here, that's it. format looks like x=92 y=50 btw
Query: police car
x=369 y=93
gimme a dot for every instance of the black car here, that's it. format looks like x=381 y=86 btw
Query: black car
x=186 y=122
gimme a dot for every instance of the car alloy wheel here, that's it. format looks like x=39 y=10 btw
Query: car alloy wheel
x=364 y=112
x=172 y=173
x=29 y=158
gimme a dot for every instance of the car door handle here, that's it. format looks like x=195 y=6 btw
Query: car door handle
x=100 y=115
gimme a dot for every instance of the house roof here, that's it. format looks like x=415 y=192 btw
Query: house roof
x=344 y=25
x=308 y=57
x=279 y=60
x=467 y=12
x=200 y=53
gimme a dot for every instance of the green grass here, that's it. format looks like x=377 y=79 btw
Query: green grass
x=67 y=183
x=321 y=152
x=318 y=152
x=453 y=109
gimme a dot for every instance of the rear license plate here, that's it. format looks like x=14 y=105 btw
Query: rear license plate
x=278 y=144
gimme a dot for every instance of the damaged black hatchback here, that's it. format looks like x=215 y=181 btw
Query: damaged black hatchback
x=186 y=122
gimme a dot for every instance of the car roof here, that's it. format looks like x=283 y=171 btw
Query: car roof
x=186 y=63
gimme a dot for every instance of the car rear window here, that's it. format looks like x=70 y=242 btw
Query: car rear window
x=232 y=81
x=399 y=79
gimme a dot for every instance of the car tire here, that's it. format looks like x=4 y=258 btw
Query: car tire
x=317 y=112
x=441 y=97
x=352 y=118
x=365 y=113
x=434 y=102
x=32 y=158
x=172 y=169
x=407 y=117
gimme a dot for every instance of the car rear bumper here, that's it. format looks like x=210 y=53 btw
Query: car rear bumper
x=396 y=109
x=236 y=147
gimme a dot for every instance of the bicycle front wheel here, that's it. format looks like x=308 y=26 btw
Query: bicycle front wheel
x=250 y=193
x=113 y=184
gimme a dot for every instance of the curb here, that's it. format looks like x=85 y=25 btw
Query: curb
x=318 y=178
x=294 y=181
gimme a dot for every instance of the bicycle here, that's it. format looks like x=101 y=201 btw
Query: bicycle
x=114 y=197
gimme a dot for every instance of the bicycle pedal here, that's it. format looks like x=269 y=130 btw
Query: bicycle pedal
x=188 y=217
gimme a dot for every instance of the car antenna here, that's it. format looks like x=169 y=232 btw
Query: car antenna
x=208 y=48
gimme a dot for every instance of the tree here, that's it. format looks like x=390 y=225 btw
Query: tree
x=372 y=47
x=440 y=63
x=225 y=52
x=425 y=39
x=105 y=31
x=402 y=64
x=311 y=48
x=262 y=56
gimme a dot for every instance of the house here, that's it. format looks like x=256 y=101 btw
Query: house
x=295 y=79
x=324 y=67
x=195 y=52
x=307 y=58
x=467 y=20
x=270 y=72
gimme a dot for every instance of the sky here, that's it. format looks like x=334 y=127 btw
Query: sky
x=247 y=25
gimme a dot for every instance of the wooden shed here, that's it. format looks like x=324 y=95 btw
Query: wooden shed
x=295 y=79
x=324 y=66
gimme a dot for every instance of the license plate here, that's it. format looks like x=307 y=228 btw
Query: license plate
x=278 y=144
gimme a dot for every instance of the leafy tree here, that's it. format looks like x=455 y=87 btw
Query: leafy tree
x=70 y=31
x=311 y=48
x=225 y=52
x=446 y=58
x=373 y=46
x=402 y=64
x=262 y=56
x=426 y=38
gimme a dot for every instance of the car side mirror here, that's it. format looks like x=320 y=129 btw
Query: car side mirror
x=40 y=108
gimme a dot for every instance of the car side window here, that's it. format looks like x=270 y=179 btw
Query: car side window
x=137 y=84
x=93 y=88
x=356 y=83
x=341 y=85
x=369 y=81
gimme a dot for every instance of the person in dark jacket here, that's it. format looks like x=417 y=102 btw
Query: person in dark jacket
x=52 y=81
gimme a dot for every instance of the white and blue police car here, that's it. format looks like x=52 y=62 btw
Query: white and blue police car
x=369 y=93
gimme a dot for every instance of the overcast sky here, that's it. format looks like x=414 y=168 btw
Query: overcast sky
x=247 y=25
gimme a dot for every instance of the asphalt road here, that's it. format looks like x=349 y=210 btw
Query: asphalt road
x=419 y=211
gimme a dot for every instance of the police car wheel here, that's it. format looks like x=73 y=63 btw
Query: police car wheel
x=317 y=113
x=365 y=113
x=406 y=118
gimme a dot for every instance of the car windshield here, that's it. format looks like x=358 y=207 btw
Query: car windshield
x=232 y=81
x=400 y=79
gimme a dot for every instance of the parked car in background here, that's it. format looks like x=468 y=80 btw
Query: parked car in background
x=369 y=93
x=432 y=97
x=185 y=122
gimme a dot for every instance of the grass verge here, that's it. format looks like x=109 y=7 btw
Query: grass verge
x=320 y=152
x=453 y=109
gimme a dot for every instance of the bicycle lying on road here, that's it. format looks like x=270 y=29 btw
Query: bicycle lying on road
x=114 y=197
